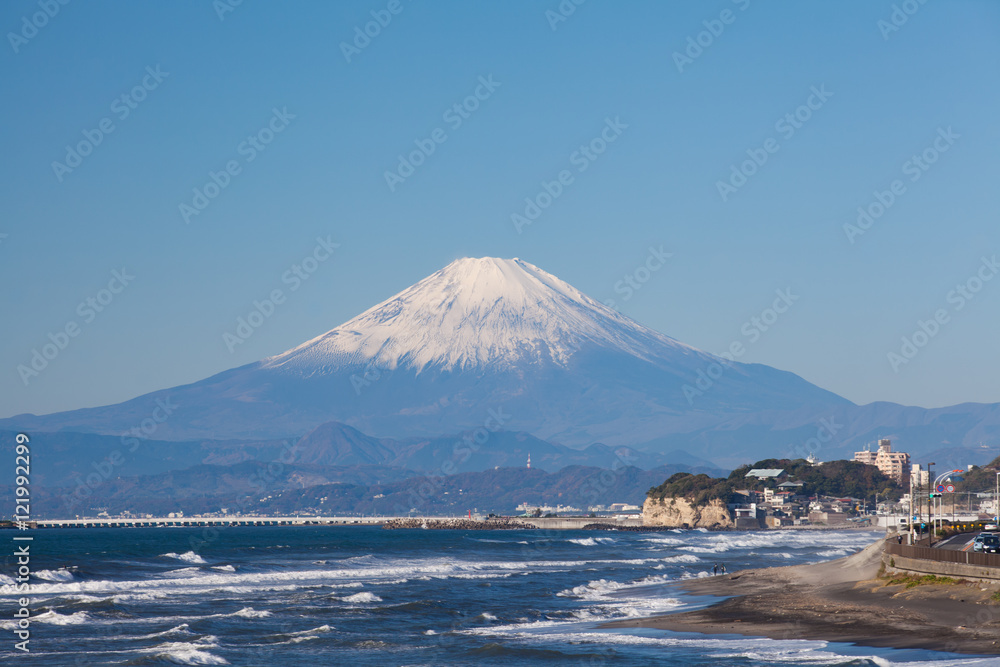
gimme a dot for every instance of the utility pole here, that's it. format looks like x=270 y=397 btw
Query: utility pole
x=930 y=505
x=909 y=508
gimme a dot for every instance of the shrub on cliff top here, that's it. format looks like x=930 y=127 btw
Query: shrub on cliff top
x=699 y=489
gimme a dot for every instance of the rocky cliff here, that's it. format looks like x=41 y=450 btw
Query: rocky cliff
x=681 y=512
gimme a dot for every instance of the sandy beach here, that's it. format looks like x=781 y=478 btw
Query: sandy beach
x=842 y=601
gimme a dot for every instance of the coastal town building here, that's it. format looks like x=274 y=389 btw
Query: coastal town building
x=766 y=473
x=548 y=509
x=891 y=464
x=624 y=507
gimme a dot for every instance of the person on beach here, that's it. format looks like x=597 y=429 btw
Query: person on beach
x=722 y=568
x=715 y=569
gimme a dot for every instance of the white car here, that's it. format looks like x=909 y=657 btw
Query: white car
x=990 y=526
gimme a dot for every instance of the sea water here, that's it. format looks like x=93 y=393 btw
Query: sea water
x=366 y=596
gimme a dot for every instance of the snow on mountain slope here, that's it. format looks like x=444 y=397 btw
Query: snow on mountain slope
x=484 y=337
x=478 y=313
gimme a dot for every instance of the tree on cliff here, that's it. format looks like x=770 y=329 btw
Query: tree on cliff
x=833 y=478
x=699 y=489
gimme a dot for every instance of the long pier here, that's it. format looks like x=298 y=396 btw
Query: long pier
x=196 y=521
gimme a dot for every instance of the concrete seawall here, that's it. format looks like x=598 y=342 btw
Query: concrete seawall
x=904 y=565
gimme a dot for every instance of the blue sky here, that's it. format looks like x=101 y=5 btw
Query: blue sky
x=887 y=95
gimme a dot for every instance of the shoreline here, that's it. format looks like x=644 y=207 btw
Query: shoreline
x=839 y=601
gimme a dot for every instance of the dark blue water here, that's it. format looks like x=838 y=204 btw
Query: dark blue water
x=367 y=596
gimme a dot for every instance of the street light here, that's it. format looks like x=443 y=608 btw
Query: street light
x=933 y=490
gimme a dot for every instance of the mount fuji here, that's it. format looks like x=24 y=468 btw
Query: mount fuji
x=501 y=344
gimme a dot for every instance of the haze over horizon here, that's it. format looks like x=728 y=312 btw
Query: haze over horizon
x=316 y=195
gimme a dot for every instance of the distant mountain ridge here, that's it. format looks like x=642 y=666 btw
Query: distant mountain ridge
x=72 y=457
x=487 y=337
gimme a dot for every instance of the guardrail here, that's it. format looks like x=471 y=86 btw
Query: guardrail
x=944 y=555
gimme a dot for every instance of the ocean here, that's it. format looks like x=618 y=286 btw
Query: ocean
x=280 y=596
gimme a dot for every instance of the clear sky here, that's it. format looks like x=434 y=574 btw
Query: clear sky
x=329 y=121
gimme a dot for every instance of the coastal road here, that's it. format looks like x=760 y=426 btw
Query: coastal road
x=961 y=542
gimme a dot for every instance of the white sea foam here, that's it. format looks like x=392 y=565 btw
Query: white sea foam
x=62 y=574
x=182 y=629
x=187 y=556
x=614 y=599
x=593 y=590
x=591 y=541
x=200 y=582
x=320 y=630
x=833 y=553
x=683 y=558
x=363 y=596
x=488 y=616
x=705 y=549
x=138 y=597
x=250 y=612
x=6 y=581
x=188 y=653
x=87 y=598
x=224 y=568
x=305 y=635
x=182 y=572
x=665 y=541
x=52 y=618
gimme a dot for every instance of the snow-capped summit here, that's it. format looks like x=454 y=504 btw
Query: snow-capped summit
x=477 y=313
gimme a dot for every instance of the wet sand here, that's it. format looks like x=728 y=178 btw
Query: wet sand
x=841 y=601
